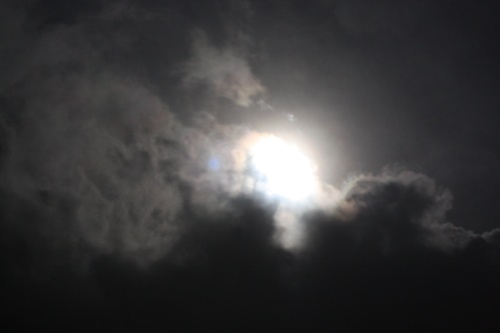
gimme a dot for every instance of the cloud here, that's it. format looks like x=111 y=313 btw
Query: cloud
x=392 y=212
x=97 y=140
x=97 y=157
x=227 y=271
x=224 y=70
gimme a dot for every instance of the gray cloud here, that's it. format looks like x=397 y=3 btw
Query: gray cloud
x=95 y=140
x=224 y=70
x=93 y=151
x=393 y=212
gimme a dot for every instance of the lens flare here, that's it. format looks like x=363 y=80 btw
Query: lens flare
x=281 y=169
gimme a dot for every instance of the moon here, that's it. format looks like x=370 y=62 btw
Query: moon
x=281 y=170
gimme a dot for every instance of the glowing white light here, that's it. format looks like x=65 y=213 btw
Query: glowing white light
x=281 y=169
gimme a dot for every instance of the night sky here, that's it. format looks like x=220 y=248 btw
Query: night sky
x=131 y=194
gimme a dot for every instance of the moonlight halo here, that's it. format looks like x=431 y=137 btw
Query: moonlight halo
x=281 y=170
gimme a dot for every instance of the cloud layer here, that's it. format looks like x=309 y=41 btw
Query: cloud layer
x=110 y=209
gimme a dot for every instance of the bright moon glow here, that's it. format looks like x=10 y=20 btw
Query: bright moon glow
x=282 y=169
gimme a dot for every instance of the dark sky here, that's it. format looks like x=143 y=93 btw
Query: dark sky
x=112 y=220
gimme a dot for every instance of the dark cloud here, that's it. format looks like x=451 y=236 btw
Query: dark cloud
x=112 y=218
x=227 y=271
x=391 y=263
